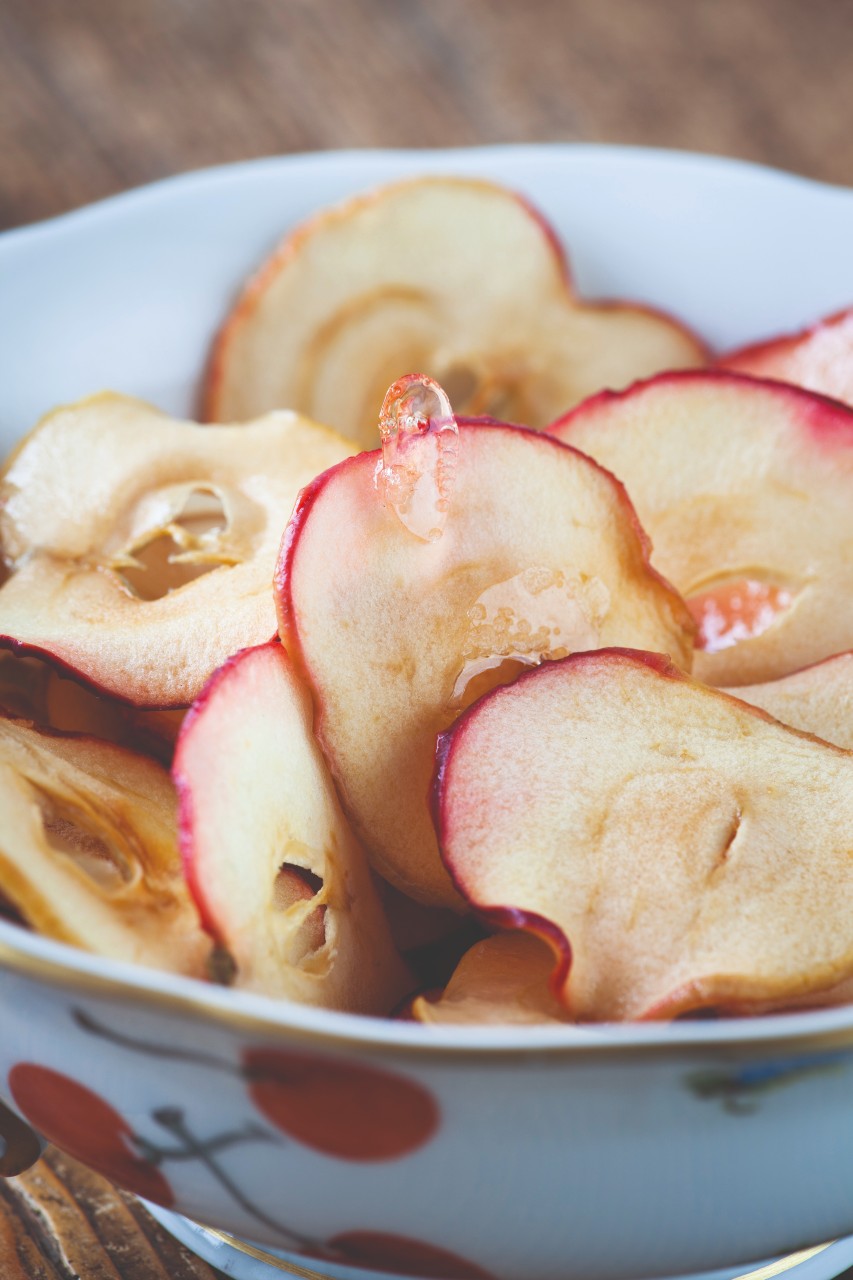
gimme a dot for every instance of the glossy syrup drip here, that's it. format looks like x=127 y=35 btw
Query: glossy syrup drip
x=419 y=450
x=538 y=615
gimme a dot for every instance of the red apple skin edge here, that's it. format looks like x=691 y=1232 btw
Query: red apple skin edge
x=825 y=418
x=513 y=917
x=774 y=353
x=186 y=816
x=289 y=632
x=290 y=247
x=70 y=672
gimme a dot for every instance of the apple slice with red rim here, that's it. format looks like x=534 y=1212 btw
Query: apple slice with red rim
x=141 y=549
x=818 y=699
x=278 y=877
x=502 y=979
x=678 y=848
x=541 y=554
x=88 y=849
x=819 y=358
x=746 y=490
x=458 y=277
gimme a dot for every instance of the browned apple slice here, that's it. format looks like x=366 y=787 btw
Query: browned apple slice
x=88 y=849
x=35 y=690
x=818 y=699
x=279 y=879
x=541 y=555
x=458 y=277
x=677 y=848
x=142 y=548
x=819 y=358
x=503 y=979
x=746 y=489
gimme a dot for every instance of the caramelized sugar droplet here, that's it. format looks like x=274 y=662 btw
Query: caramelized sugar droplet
x=535 y=616
x=420 y=440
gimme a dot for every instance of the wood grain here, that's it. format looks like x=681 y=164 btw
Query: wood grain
x=99 y=95
x=60 y=1221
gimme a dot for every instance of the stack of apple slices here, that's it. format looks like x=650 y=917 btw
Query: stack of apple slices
x=458 y=688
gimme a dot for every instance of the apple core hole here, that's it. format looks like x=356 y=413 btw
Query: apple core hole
x=185 y=547
x=156 y=573
x=732 y=612
x=293 y=885
x=71 y=834
x=203 y=514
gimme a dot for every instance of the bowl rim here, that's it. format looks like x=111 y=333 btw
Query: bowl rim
x=62 y=966
x=353 y=158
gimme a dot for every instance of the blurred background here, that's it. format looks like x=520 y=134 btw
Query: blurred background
x=100 y=95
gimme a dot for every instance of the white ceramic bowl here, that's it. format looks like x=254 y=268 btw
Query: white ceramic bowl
x=534 y=1154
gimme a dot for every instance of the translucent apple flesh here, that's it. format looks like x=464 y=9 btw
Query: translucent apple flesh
x=457 y=277
x=541 y=555
x=746 y=490
x=141 y=549
x=503 y=979
x=278 y=877
x=88 y=849
x=677 y=848
x=819 y=358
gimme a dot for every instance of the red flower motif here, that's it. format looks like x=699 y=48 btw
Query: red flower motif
x=81 y=1123
x=343 y=1109
x=402 y=1256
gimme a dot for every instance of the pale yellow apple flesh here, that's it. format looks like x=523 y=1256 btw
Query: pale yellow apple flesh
x=818 y=699
x=457 y=277
x=503 y=979
x=819 y=358
x=141 y=549
x=746 y=490
x=677 y=848
x=88 y=849
x=541 y=555
x=279 y=879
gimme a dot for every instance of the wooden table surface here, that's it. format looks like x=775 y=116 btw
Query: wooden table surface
x=100 y=95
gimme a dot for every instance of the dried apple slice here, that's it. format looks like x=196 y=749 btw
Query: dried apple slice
x=677 y=848
x=819 y=358
x=503 y=979
x=279 y=879
x=818 y=699
x=746 y=490
x=32 y=689
x=88 y=849
x=141 y=548
x=541 y=554
x=458 y=277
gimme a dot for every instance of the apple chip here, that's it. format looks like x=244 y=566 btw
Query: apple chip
x=541 y=555
x=819 y=359
x=88 y=849
x=503 y=979
x=818 y=699
x=141 y=549
x=458 y=277
x=678 y=849
x=746 y=490
x=279 y=879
